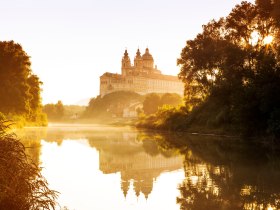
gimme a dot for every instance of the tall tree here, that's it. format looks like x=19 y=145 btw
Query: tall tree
x=19 y=87
x=233 y=67
x=59 y=109
x=14 y=71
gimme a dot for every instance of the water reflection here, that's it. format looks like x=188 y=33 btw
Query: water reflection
x=138 y=170
x=140 y=162
x=228 y=174
x=111 y=168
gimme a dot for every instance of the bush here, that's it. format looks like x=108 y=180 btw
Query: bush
x=166 y=118
x=22 y=186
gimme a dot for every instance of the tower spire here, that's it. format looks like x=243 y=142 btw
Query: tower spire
x=125 y=62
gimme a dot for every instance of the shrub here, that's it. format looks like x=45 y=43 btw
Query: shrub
x=22 y=186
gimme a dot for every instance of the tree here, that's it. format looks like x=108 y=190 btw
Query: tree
x=35 y=103
x=151 y=103
x=231 y=70
x=54 y=111
x=59 y=109
x=14 y=71
x=172 y=99
x=110 y=104
x=270 y=8
x=50 y=110
x=19 y=87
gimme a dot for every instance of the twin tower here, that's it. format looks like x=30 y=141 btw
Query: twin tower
x=142 y=64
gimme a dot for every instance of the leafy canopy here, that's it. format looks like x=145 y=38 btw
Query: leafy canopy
x=231 y=70
x=19 y=88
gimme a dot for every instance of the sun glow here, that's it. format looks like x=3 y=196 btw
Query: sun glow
x=270 y=208
x=268 y=39
x=254 y=38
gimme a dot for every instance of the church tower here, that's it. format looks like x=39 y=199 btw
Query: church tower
x=126 y=65
x=138 y=61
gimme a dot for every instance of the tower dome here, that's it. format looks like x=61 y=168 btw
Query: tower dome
x=148 y=60
x=147 y=55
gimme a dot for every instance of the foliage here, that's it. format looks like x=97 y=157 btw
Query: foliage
x=61 y=112
x=110 y=104
x=270 y=8
x=166 y=118
x=54 y=111
x=73 y=111
x=22 y=186
x=232 y=73
x=153 y=101
x=19 y=87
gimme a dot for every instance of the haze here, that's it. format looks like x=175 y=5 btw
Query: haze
x=72 y=43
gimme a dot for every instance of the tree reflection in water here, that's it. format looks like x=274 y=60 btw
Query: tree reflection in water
x=219 y=173
x=227 y=173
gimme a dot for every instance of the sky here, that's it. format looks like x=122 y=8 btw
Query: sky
x=73 y=42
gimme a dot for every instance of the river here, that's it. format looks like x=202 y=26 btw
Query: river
x=102 y=168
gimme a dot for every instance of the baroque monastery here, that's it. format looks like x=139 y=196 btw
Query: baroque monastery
x=142 y=77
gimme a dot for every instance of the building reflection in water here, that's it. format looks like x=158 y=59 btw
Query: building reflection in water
x=139 y=165
x=219 y=173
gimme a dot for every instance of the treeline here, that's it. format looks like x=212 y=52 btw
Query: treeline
x=231 y=73
x=59 y=112
x=110 y=105
x=20 y=88
x=116 y=104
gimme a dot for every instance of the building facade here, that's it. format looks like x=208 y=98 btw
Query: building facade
x=142 y=77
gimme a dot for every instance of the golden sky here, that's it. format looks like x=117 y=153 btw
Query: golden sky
x=73 y=42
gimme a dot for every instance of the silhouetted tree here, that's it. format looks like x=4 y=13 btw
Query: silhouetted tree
x=19 y=87
x=231 y=71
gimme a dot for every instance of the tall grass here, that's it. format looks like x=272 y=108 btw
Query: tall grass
x=22 y=186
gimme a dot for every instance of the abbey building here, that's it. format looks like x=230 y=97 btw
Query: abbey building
x=142 y=77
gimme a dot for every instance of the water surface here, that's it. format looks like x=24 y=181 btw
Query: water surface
x=100 y=167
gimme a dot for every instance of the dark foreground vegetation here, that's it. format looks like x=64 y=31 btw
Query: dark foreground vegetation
x=22 y=186
x=231 y=73
x=224 y=173
x=20 y=90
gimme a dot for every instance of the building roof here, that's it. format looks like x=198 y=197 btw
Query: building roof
x=147 y=76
